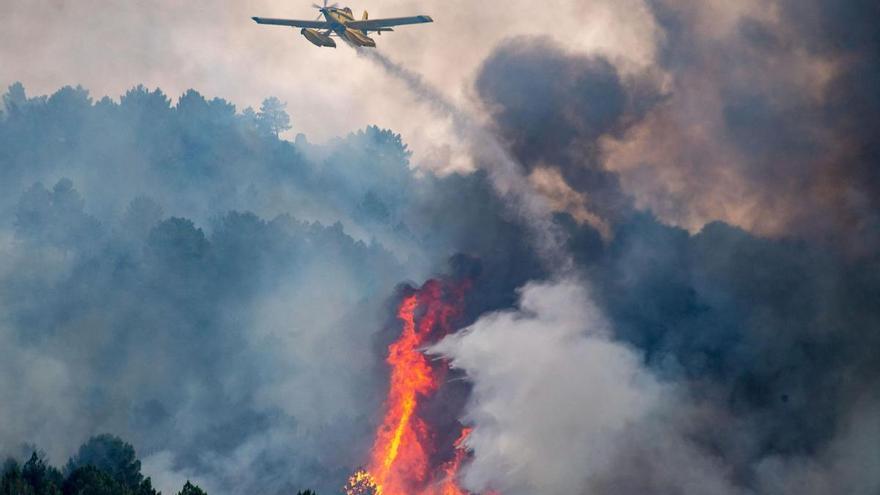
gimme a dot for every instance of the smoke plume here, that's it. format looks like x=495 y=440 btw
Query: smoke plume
x=507 y=175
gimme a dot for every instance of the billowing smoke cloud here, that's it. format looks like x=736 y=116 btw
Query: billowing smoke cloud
x=507 y=174
x=533 y=369
x=734 y=384
x=768 y=120
x=560 y=408
x=764 y=342
x=551 y=108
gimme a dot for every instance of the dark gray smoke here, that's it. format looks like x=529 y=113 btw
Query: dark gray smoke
x=507 y=175
x=762 y=347
x=552 y=108
x=768 y=123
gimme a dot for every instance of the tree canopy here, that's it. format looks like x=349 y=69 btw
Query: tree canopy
x=182 y=246
x=104 y=465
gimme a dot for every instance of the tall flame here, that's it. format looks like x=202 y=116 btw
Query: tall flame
x=400 y=460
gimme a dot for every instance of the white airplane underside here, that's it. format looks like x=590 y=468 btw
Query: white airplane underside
x=339 y=22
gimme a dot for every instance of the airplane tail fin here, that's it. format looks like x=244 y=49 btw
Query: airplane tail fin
x=366 y=16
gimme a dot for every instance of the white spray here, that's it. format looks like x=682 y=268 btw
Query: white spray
x=506 y=174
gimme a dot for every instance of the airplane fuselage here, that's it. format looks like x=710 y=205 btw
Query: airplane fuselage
x=338 y=18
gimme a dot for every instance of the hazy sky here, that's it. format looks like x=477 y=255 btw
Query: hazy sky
x=109 y=46
x=688 y=161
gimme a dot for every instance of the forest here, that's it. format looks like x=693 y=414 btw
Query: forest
x=184 y=276
x=208 y=284
x=104 y=465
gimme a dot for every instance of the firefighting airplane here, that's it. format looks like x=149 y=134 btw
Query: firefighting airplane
x=340 y=22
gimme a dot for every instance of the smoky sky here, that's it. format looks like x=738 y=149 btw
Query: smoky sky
x=182 y=278
x=769 y=339
x=767 y=121
x=175 y=274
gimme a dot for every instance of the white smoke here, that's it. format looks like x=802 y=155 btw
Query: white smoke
x=559 y=408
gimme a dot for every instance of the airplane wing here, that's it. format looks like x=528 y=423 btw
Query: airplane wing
x=376 y=24
x=292 y=23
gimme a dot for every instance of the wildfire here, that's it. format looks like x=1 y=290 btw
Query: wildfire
x=450 y=483
x=400 y=460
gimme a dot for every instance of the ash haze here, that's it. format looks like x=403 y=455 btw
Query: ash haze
x=666 y=212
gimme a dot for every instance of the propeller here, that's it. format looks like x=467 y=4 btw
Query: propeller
x=322 y=9
x=325 y=6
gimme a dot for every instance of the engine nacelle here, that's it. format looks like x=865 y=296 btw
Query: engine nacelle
x=317 y=38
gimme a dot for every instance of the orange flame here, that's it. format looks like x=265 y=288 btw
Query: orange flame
x=400 y=458
x=451 y=468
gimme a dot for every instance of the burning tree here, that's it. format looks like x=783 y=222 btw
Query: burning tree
x=401 y=458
